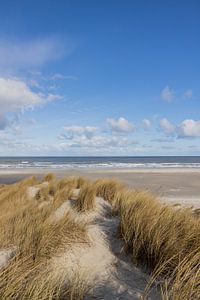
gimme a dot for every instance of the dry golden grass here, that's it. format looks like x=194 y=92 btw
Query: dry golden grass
x=37 y=239
x=49 y=177
x=107 y=188
x=157 y=233
x=28 y=181
x=159 y=236
x=70 y=182
x=12 y=199
x=164 y=238
x=185 y=280
x=196 y=212
x=86 y=199
x=81 y=181
x=62 y=196
x=30 y=275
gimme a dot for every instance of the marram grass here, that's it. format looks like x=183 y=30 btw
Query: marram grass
x=165 y=239
x=87 y=198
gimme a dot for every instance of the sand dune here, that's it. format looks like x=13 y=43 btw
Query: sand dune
x=76 y=239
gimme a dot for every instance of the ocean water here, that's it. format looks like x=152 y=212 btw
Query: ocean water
x=100 y=162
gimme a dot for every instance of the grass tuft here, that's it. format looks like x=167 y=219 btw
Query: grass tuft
x=49 y=177
x=86 y=199
x=107 y=188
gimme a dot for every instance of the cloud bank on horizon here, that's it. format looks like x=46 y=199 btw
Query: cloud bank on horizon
x=89 y=80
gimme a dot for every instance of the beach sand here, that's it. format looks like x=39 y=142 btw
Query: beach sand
x=170 y=185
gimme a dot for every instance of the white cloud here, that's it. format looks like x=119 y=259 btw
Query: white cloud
x=121 y=125
x=72 y=131
x=31 y=53
x=95 y=142
x=85 y=137
x=16 y=96
x=188 y=94
x=167 y=127
x=189 y=128
x=146 y=124
x=167 y=94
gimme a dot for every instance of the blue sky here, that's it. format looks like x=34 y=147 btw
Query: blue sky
x=100 y=77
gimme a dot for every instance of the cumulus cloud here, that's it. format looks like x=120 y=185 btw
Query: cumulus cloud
x=186 y=129
x=188 y=94
x=16 y=96
x=146 y=124
x=167 y=94
x=189 y=128
x=32 y=53
x=121 y=125
x=167 y=127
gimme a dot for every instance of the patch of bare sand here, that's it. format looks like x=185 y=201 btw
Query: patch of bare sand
x=190 y=202
x=102 y=265
x=33 y=190
x=6 y=255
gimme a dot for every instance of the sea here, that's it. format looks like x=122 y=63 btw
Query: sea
x=91 y=162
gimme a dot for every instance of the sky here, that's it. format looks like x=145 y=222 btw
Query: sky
x=114 y=77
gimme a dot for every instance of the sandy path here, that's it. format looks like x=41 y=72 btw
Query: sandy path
x=108 y=271
x=125 y=281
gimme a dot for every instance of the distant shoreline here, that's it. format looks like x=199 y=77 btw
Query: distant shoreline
x=102 y=164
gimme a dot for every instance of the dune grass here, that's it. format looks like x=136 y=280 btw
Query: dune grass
x=107 y=188
x=49 y=177
x=87 y=198
x=165 y=239
x=36 y=239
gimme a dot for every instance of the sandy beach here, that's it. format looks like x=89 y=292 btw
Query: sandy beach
x=177 y=185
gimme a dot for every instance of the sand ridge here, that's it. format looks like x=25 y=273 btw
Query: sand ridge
x=107 y=269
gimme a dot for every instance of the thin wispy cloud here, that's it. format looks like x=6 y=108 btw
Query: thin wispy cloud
x=32 y=53
x=188 y=94
x=72 y=131
x=58 y=76
x=167 y=94
x=146 y=124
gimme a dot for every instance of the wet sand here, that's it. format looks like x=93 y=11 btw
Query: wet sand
x=173 y=185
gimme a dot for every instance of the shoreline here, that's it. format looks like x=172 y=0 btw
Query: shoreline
x=99 y=170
